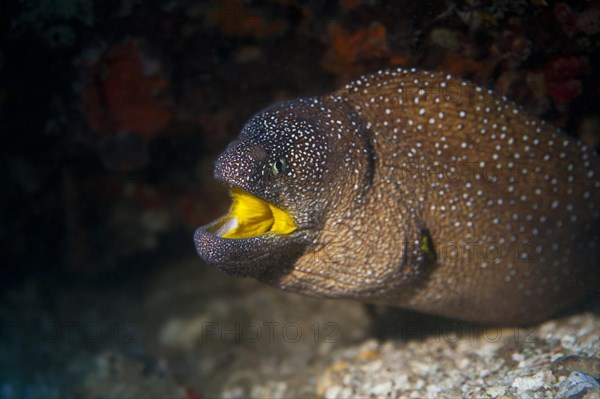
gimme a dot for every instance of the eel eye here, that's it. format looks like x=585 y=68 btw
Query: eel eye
x=278 y=167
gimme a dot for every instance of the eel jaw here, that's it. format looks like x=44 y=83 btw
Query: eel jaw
x=251 y=231
x=250 y=216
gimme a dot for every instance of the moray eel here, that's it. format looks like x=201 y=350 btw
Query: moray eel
x=413 y=189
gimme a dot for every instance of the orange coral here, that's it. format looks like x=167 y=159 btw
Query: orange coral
x=350 y=4
x=458 y=65
x=126 y=94
x=364 y=43
x=233 y=19
x=348 y=49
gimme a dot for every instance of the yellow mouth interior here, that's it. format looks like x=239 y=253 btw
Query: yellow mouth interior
x=250 y=216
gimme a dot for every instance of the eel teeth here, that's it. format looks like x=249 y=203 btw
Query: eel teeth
x=231 y=224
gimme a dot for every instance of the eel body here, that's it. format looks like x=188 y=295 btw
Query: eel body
x=412 y=189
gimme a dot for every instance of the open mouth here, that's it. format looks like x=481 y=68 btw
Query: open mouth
x=250 y=216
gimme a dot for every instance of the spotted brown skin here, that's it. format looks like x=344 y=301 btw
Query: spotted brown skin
x=418 y=190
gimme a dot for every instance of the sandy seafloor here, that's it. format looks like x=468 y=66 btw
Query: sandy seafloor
x=192 y=332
